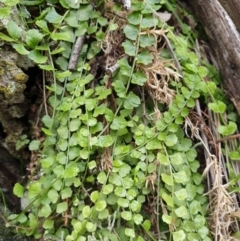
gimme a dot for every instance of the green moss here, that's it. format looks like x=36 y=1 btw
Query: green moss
x=20 y=77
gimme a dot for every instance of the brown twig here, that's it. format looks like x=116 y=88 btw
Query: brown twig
x=76 y=52
x=228 y=138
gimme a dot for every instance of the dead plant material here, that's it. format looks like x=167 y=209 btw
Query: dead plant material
x=222 y=203
x=159 y=75
x=76 y=53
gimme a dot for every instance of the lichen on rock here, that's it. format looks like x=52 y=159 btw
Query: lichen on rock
x=12 y=78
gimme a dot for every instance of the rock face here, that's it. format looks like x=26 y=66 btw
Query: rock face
x=13 y=122
x=10 y=173
x=14 y=112
x=13 y=104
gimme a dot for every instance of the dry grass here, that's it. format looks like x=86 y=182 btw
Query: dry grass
x=223 y=205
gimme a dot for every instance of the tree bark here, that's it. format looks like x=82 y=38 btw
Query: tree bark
x=221 y=26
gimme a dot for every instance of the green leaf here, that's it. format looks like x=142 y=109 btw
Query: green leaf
x=43 y=25
x=53 y=195
x=66 y=192
x=131 y=101
x=63 y=74
x=104 y=214
x=123 y=202
x=120 y=88
x=134 y=18
x=45 y=211
x=13 y=30
x=153 y=144
x=48 y=224
x=74 y=125
x=148 y=22
x=181 y=212
x=203 y=231
x=47 y=162
x=123 y=172
x=118 y=123
x=94 y=196
x=203 y=71
x=195 y=207
x=194 y=166
x=217 y=107
x=33 y=37
x=125 y=67
x=18 y=190
x=47 y=67
x=20 y=49
x=58 y=170
x=234 y=155
x=167 y=219
x=227 y=130
x=191 y=103
x=62 y=144
x=127 y=215
x=120 y=192
x=145 y=57
x=102 y=177
x=135 y=206
x=37 y=57
x=61 y=207
x=34 y=145
x=146 y=225
x=104 y=94
x=22 y=218
x=102 y=21
x=85 y=12
x=107 y=189
x=47 y=132
x=105 y=141
x=5 y=37
x=163 y=159
x=168 y=199
x=130 y=232
x=60 y=36
x=138 y=78
x=71 y=4
x=186 y=92
x=34 y=190
x=180 y=177
x=86 y=211
x=53 y=17
x=63 y=132
x=179 y=235
x=28 y=3
x=147 y=40
x=71 y=171
x=91 y=227
x=129 y=48
x=180 y=101
x=171 y=140
x=113 y=26
x=181 y=194
x=91 y=104
x=167 y=179
x=191 y=191
x=176 y=158
x=185 y=112
x=72 y=18
x=192 y=67
x=100 y=205
x=131 y=31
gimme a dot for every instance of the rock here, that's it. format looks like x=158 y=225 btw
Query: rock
x=10 y=173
